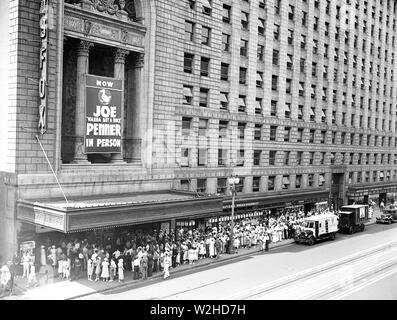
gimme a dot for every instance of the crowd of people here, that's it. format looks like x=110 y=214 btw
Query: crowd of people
x=143 y=254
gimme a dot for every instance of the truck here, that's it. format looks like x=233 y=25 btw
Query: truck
x=389 y=215
x=352 y=218
x=318 y=227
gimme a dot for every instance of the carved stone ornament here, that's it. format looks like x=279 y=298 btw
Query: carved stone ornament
x=108 y=6
x=87 y=26
x=120 y=54
x=140 y=61
x=84 y=47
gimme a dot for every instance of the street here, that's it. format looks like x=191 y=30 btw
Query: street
x=359 y=266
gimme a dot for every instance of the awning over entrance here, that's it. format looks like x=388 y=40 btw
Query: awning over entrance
x=373 y=188
x=277 y=198
x=117 y=210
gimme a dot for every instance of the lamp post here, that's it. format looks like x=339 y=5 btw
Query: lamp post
x=233 y=180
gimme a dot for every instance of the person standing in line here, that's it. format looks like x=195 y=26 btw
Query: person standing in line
x=113 y=268
x=32 y=280
x=121 y=270
x=150 y=263
x=144 y=264
x=90 y=269
x=16 y=260
x=156 y=260
x=26 y=264
x=136 y=264
x=167 y=264
x=105 y=270
x=97 y=268
x=77 y=268
x=267 y=240
x=218 y=246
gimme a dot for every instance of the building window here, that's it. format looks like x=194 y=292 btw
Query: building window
x=270 y=183
x=241 y=103
x=299 y=155
x=276 y=32
x=276 y=56
x=243 y=47
x=261 y=26
x=256 y=184
x=243 y=75
x=298 y=181
x=241 y=130
x=240 y=185
x=204 y=93
x=287 y=132
x=286 y=158
x=224 y=71
x=226 y=13
x=223 y=128
x=207 y=7
x=205 y=36
x=188 y=63
x=186 y=125
x=222 y=157
x=203 y=123
x=258 y=132
x=299 y=137
x=240 y=158
x=272 y=157
x=221 y=186
x=185 y=185
x=205 y=66
x=201 y=185
x=259 y=79
x=224 y=100
x=311 y=136
x=184 y=157
x=225 y=42
x=258 y=106
x=321 y=180
x=310 y=179
x=287 y=112
x=273 y=108
x=187 y=95
x=285 y=183
x=202 y=157
x=274 y=82
x=273 y=132
x=260 y=51
x=290 y=36
x=300 y=112
x=244 y=20
x=189 y=31
x=257 y=157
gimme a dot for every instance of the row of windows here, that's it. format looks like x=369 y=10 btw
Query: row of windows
x=288 y=134
x=227 y=13
x=285 y=181
x=287 y=110
x=286 y=158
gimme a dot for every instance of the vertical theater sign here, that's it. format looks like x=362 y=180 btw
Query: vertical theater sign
x=43 y=65
x=103 y=125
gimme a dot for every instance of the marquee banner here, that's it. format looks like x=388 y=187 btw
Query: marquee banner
x=103 y=125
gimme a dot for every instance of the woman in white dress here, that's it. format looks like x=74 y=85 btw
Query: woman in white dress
x=191 y=255
x=105 y=270
x=212 y=247
x=60 y=268
x=121 y=270
x=90 y=269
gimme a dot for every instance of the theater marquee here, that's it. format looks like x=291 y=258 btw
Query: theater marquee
x=103 y=125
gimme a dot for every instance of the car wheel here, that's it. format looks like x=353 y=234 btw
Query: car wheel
x=333 y=236
x=362 y=227
x=351 y=230
x=311 y=241
x=389 y=222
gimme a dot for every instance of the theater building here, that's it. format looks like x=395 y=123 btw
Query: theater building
x=135 y=112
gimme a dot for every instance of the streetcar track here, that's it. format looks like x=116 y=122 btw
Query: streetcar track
x=311 y=273
x=329 y=290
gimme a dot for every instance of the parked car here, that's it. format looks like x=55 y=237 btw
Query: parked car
x=389 y=215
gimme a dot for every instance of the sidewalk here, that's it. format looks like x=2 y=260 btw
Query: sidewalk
x=60 y=289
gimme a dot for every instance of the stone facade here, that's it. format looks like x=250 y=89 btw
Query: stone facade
x=155 y=103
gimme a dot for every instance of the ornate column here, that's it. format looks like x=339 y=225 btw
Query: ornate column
x=119 y=67
x=83 y=53
x=135 y=113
